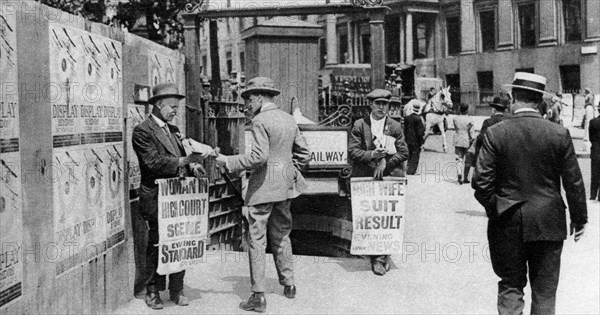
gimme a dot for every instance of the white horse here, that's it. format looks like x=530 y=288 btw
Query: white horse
x=435 y=113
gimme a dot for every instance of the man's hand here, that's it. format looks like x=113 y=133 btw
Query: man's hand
x=378 y=153
x=579 y=230
x=196 y=158
x=221 y=160
x=378 y=174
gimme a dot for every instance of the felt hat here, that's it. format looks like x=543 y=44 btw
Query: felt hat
x=260 y=85
x=500 y=103
x=380 y=95
x=529 y=81
x=464 y=108
x=163 y=90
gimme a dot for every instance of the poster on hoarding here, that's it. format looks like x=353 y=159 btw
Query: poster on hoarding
x=11 y=213
x=327 y=147
x=182 y=222
x=135 y=116
x=87 y=133
x=378 y=214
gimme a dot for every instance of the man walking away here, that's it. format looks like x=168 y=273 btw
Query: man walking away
x=595 y=157
x=414 y=130
x=518 y=178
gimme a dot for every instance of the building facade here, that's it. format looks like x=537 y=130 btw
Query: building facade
x=474 y=46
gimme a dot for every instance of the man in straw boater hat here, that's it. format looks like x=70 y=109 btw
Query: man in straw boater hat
x=377 y=149
x=278 y=152
x=520 y=167
x=414 y=130
x=161 y=155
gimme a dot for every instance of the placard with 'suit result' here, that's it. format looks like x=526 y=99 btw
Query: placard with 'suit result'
x=378 y=213
x=182 y=222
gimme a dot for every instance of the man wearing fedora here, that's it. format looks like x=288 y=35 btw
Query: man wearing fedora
x=520 y=168
x=278 y=152
x=370 y=155
x=499 y=106
x=161 y=155
x=414 y=130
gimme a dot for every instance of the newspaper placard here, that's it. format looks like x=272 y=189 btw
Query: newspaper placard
x=11 y=206
x=182 y=222
x=378 y=214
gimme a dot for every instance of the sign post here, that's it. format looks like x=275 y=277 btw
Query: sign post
x=182 y=222
x=378 y=214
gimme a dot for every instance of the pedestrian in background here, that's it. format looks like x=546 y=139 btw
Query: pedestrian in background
x=595 y=157
x=278 y=151
x=463 y=125
x=590 y=112
x=377 y=149
x=414 y=130
x=518 y=177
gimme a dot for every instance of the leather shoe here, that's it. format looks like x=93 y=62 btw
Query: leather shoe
x=179 y=298
x=289 y=291
x=256 y=303
x=378 y=268
x=153 y=300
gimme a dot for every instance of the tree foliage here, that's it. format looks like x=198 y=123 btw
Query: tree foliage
x=162 y=18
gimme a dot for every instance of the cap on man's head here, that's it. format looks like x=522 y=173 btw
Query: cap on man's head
x=163 y=90
x=379 y=95
x=529 y=81
x=260 y=85
x=464 y=108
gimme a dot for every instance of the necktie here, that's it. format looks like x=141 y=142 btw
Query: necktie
x=181 y=171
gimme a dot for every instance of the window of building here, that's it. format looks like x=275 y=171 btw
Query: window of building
x=421 y=38
x=570 y=78
x=392 y=38
x=487 y=26
x=366 y=48
x=453 y=35
x=485 y=81
x=453 y=81
x=343 y=48
x=229 y=62
x=572 y=20
x=527 y=24
x=242 y=61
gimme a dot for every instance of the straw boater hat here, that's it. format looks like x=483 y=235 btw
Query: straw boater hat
x=378 y=95
x=163 y=90
x=531 y=82
x=260 y=85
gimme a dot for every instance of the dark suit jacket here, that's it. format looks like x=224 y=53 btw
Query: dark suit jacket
x=414 y=130
x=595 y=137
x=519 y=172
x=494 y=119
x=158 y=159
x=361 y=146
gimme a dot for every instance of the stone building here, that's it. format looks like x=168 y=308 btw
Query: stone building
x=473 y=45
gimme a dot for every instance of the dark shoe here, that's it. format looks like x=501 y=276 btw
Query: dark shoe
x=179 y=298
x=256 y=303
x=386 y=264
x=378 y=268
x=289 y=291
x=466 y=181
x=153 y=300
x=460 y=180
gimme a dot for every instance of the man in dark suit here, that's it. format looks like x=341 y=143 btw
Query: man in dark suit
x=520 y=167
x=161 y=155
x=278 y=152
x=414 y=130
x=371 y=157
x=499 y=106
x=595 y=157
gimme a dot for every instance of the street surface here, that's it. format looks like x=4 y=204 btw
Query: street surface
x=445 y=267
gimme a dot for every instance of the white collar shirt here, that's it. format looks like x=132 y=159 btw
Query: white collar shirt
x=377 y=127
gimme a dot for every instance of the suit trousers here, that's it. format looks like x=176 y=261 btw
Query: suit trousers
x=274 y=219
x=414 y=153
x=595 y=183
x=512 y=257
x=157 y=282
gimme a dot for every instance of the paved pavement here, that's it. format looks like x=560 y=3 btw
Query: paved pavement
x=445 y=267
